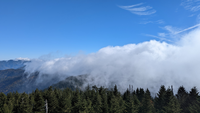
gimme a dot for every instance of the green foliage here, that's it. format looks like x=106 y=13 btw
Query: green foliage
x=160 y=100
x=101 y=100
x=147 y=103
x=24 y=106
x=183 y=98
x=38 y=102
x=52 y=101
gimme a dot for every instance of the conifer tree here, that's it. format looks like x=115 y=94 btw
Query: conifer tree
x=89 y=106
x=147 y=103
x=194 y=101
x=76 y=101
x=3 y=99
x=183 y=99
x=38 y=102
x=140 y=94
x=113 y=104
x=24 y=106
x=16 y=96
x=130 y=106
x=52 y=101
x=65 y=103
x=160 y=100
x=97 y=105
x=31 y=100
x=104 y=103
x=116 y=92
x=6 y=109
x=83 y=107
x=172 y=106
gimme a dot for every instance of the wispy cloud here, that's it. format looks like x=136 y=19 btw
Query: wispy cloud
x=139 y=10
x=161 y=37
x=197 y=25
x=171 y=32
x=174 y=31
x=192 y=5
x=155 y=22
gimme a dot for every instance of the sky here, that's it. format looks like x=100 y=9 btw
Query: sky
x=57 y=28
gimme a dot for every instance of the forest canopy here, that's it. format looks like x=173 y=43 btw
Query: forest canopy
x=101 y=100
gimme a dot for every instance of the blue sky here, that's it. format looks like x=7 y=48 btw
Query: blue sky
x=32 y=28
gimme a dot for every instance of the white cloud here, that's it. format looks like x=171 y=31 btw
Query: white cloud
x=192 y=5
x=139 y=10
x=156 y=22
x=192 y=27
x=148 y=65
x=171 y=30
x=161 y=34
x=160 y=21
x=25 y=59
x=161 y=38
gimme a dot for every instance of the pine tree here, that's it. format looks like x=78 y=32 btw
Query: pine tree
x=38 y=102
x=52 y=101
x=65 y=103
x=147 y=103
x=160 y=100
x=173 y=105
x=89 y=106
x=24 y=106
x=183 y=99
x=16 y=96
x=6 y=109
x=113 y=104
x=76 y=102
x=97 y=105
x=104 y=103
x=140 y=94
x=3 y=99
x=194 y=101
x=31 y=100
x=83 y=107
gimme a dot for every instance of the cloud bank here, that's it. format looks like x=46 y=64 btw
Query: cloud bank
x=148 y=64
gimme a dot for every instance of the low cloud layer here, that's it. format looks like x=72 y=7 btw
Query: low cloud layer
x=148 y=64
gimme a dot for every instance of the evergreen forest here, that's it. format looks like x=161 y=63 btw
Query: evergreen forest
x=101 y=100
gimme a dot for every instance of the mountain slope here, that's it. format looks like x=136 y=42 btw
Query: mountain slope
x=12 y=64
x=71 y=82
x=12 y=80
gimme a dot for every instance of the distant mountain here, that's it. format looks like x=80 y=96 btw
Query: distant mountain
x=12 y=64
x=72 y=82
x=12 y=80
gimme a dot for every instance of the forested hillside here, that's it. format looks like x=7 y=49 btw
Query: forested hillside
x=12 y=64
x=101 y=100
x=12 y=80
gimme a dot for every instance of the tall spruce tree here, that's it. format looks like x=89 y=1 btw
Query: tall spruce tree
x=65 y=103
x=183 y=99
x=52 y=101
x=76 y=102
x=3 y=99
x=160 y=100
x=38 y=102
x=97 y=105
x=194 y=101
x=24 y=106
x=172 y=105
x=147 y=103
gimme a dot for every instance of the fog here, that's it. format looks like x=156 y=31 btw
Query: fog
x=148 y=64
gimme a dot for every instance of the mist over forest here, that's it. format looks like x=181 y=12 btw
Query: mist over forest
x=148 y=64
